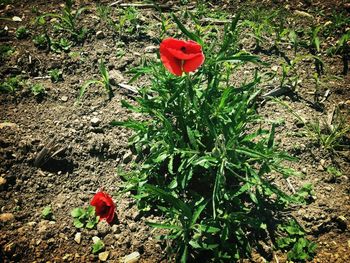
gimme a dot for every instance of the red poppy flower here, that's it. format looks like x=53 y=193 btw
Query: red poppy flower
x=104 y=206
x=180 y=56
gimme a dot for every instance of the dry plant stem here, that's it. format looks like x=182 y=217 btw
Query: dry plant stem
x=128 y=87
x=290 y=186
x=136 y=5
x=43 y=77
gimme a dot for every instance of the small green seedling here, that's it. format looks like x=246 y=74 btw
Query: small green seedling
x=10 y=85
x=85 y=217
x=334 y=171
x=55 y=75
x=22 y=32
x=62 y=45
x=104 y=82
x=38 y=90
x=47 y=213
x=5 y=51
x=68 y=21
x=299 y=248
x=98 y=246
x=342 y=47
x=41 y=41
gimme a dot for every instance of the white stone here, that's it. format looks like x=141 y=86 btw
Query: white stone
x=77 y=237
x=132 y=258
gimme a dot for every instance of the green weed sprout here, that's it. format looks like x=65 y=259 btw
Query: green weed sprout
x=85 y=217
x=5 y=51
x=203 y=166
x=10 y=85
x=68 y=21
x=22 y=32
x=104 y=82
x=330 y=136
x=342 y=47
x=42 y=41
x=38 y=90
x=47 y=213
x=55 y=75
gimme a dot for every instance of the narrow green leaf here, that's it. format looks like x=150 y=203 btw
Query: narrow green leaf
x=184 y=30
x=177 y=203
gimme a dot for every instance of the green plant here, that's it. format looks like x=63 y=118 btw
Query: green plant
x=10 y=85
x=331 y=135
x=62 y=45
x=104 y=12
x=104 y=82
x=342 y=47
x=85 y=217
x=42 y=41
x=315 y=49
x=205 y=160
x=68 y=21
x=46 y=213
x=5 y=51
x=128 y=21
x=38 y=90
x=334 y=171
x=98 y=246
x=299 y=248
x=55 y=75
x=22 y=32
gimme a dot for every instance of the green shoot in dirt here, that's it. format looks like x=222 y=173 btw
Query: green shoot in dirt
x=10 y=85
x=85 y=217
x=127 y=23
x=334 y=172
x=5 y=51
x=204 y=159
x=329 y=134
x=104 y=82
x=55 y=75
x=62 y=45
x=41 y=41
x=22 y=32
x=98 y=246
x=68 y=21
x=38 y=90
x=342 y=47
x=47 y=213
x=299 y=248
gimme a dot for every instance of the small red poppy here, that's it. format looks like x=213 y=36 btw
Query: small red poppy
x=180 y=56
x=104 y=206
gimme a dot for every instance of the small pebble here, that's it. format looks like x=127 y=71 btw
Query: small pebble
x=100 y=35
x=64 y=98
x=77 y=237
x=95 y=239
x=6 y=217
x=132 y=258
x=95 y=121
x=103 y=256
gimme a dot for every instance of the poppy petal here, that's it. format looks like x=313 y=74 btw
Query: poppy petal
x=170 y=62
x=194 y=63
x=180 y=54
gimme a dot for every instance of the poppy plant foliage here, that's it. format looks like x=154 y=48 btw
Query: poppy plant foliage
x=104 y=206
x=180 y=56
